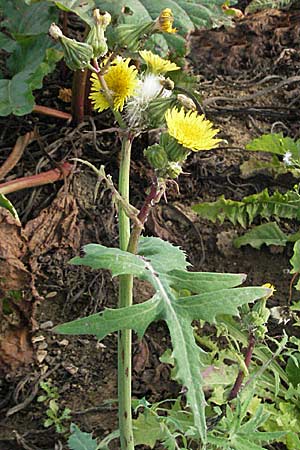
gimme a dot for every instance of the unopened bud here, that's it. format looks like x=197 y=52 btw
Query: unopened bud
x=187 y=102
x=167 y=83
x=157 y=156
x=55 y=31
x=174 y=170
x=77 y=55
x=96 y=36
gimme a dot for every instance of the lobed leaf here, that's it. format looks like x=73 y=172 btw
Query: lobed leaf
x=79 y=440
x=267 y=233
x=163 y=265
x=244 y=212
x=275 y=143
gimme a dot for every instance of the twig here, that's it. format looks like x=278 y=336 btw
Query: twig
x=245 y=98
x=16 y=153
x=33 y=394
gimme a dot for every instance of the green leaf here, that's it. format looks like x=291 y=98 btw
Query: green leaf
x=240 y=443
x=6 y=43
x=80 y=440
x=137 y=317
x=21 y=19
x=203 y=282
x=82 y=8
x=258 y=5
x=189 y=15
x=164 y=257
x=244 y=212
x=147 y=430
x=16 y=95
x=275 y=143
x=209 y=305
x=5 y=203
x=178 y=314
x=293 y=369
x=267 y=233
x=295 y=260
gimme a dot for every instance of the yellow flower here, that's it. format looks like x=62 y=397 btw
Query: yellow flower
x=271 y=287
x=121 y=81
x=156 y=64
x=191 y=130
x=165 y=20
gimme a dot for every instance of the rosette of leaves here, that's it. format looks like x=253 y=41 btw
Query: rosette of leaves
x=165 y=267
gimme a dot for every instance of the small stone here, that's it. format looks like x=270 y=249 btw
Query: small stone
x=99 y=346
x=37 y=339
x=43 y=345
x=64 y=342
x=46 y=325
x=51 y=294
x=72 y=370
x=41 y=355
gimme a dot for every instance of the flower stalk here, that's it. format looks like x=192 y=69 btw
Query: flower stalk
x=125 y=299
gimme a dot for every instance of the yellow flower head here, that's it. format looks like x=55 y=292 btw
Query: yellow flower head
x=271 y=287
x=121 y=81
x=191 y=130
x=165 y=20
x=156 y=64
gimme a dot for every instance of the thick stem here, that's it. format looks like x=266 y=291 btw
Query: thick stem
x=125 y=299
x=78 y=95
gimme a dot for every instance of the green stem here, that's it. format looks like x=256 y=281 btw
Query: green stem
x=125 y=299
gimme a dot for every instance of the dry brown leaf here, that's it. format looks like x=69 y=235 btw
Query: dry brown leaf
x=15 y=349
x=13 y=273
x=55 y=228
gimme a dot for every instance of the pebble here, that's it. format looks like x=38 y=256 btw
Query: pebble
x=41 y=355
x=37 y=339
x=51 y=294
x=72 y=370
x=46 y=325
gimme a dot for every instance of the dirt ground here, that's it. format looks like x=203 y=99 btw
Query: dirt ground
x=260 y=51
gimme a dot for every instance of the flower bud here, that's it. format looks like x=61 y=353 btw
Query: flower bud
x=187 y=102
x=96 y=36
x=168 y=84
x=157 y=156
x=175 y=151
x=174 y=170
x=77 y=55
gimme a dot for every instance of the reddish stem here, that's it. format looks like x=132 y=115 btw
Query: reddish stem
x=51 y=112
x=37 y=180
x=241 y=375
x=149 y=202
x=78 y=95
x=152 y=198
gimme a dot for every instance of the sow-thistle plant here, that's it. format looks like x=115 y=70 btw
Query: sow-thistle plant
x=139 y=98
